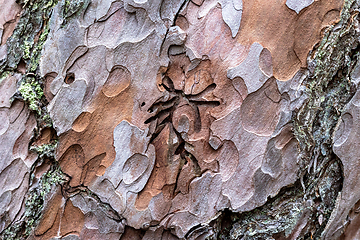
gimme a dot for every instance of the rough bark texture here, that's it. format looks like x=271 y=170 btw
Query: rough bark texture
x=178 y=119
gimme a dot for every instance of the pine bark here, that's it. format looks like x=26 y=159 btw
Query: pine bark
x=179 y=119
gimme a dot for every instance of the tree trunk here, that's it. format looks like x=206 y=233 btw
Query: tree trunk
x=179 y=119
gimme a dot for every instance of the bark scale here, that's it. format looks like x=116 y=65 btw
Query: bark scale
x=215 y=119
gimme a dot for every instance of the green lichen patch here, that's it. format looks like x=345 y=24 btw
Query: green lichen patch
x=35 y=201
x=32 y=93
x=25 y=42
x=25 y=45
x=30 y=89
x=45 y=150
x=39 y=189
x=71 y=8
x=34 y=204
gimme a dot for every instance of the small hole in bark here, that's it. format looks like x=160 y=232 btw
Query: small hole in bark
x=70 y=78
x=143 y=104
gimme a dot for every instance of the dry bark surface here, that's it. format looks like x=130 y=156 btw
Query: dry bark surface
x=179 y=119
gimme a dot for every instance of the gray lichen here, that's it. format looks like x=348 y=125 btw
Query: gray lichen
x=29 y=35
x=70 y=8
x=25 y=45
x=34 y=204
x=306 y=207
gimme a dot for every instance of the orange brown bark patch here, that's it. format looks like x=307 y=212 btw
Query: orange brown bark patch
x=288 y=36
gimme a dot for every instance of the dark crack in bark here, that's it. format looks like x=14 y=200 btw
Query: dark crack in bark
x=163 y=110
